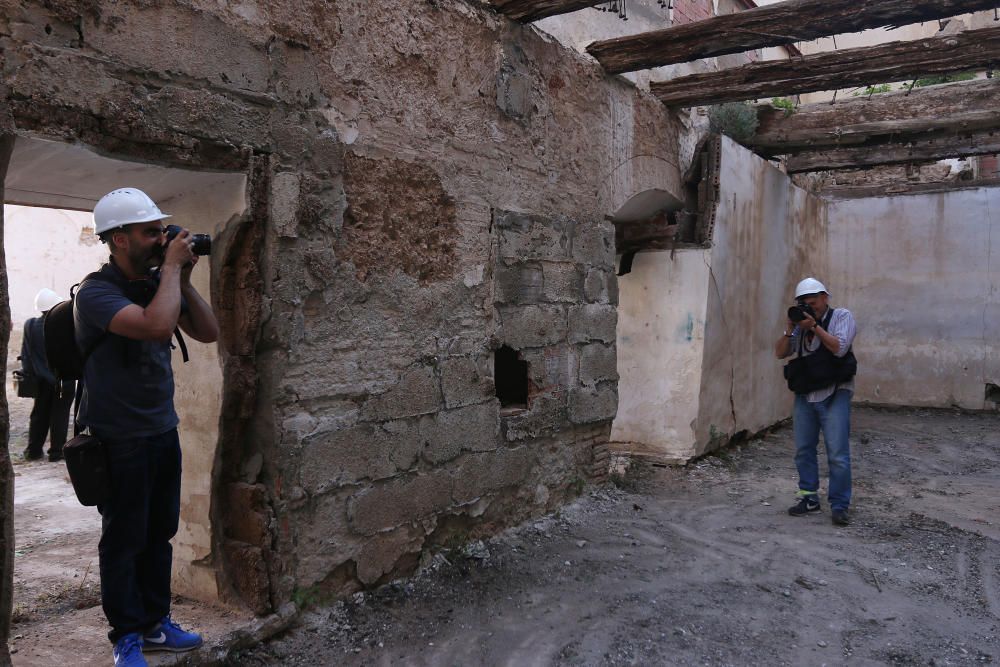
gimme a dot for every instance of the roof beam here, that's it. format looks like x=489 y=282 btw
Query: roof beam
x=944 y=109
x=918 y=150
x=898 y=189
x=774 y=25
x=527 y=11
x=973 y=49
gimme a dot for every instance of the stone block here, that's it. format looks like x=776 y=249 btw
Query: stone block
x=601 y=286
x=551 y=367
x=519 y=283
x=323 y=538
x=598 y=363
x=417 y=392
x=532 y=326
x=399 y=501
x=547 y=414
x=593 y=404
x=526 y=237
x=594 y=244
x=445 y=435
x=285 y=203
x=365 y=451
x=466 y=381
x=380 y=554
x=593 y=321
x=481 y=474
x=563 y=282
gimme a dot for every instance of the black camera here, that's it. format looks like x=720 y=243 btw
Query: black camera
x=202 y=242
x=800 y=311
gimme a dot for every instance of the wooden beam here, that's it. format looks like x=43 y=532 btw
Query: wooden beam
x=974 y=49
x=900 y=189
x=916 y=151
x=946 y=109
x=774 y=25
x=527 y=11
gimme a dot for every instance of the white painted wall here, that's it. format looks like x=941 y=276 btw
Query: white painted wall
x=661 y=327
x=696 y=333
x=919 y=275
x=46 y=248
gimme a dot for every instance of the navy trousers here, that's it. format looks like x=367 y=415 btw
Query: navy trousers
x=138 y=522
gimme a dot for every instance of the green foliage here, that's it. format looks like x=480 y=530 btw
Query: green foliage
x=868 y=91
x=944 y=78
x=783 y=103
x=734 y=119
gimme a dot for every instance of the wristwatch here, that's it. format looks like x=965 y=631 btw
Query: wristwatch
x=788 y=335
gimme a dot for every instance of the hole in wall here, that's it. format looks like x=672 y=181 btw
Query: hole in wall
x=510 y=374
x=992 y=392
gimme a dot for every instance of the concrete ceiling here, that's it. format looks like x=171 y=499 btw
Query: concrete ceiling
x=53 y=174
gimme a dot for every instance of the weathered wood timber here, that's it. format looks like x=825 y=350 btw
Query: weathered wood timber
x=895 y=61
x=919 y=149
x=526 y=11
x=900 y=189
x=946 y=109
x=774 y=25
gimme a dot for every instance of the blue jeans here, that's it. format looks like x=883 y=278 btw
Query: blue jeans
x=833 y=416
x=138 y=522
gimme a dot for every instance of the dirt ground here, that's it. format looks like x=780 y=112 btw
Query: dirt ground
x=681 y=566
x=702 y=566
x=57 y=618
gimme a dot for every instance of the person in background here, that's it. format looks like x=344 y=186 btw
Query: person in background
x=50 y=411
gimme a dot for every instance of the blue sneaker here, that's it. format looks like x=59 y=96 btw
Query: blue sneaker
x=128 y=651
x=168 y=636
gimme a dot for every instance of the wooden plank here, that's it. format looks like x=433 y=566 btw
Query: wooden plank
x=896 y=61
x=916 y=151
x=877 y=132
x=901 y=189
x=526 y=11
x=773 y=25
x=948 y=108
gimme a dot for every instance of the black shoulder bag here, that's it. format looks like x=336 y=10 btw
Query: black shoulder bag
x=822 y=368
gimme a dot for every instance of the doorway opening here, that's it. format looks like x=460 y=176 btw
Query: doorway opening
x=50 y=190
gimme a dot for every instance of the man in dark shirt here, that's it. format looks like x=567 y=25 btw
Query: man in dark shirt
x=128 y=403
x=50 y=410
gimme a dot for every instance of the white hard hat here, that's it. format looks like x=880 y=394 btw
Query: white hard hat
x=125 y=206
x=809 y=286
x=45 y=299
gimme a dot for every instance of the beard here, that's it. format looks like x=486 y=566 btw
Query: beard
x=142 y=259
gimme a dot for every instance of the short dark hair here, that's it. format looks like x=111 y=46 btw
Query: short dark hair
x=105 y=236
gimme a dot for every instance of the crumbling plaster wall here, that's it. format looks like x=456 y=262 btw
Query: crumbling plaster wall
x=425 y=183
x=917 y=271
x=698 y=326
x=769 y=234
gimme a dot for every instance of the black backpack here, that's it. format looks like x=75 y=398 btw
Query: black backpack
x=65 y=358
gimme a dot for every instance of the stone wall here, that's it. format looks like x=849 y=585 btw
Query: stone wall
x=425 y=183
